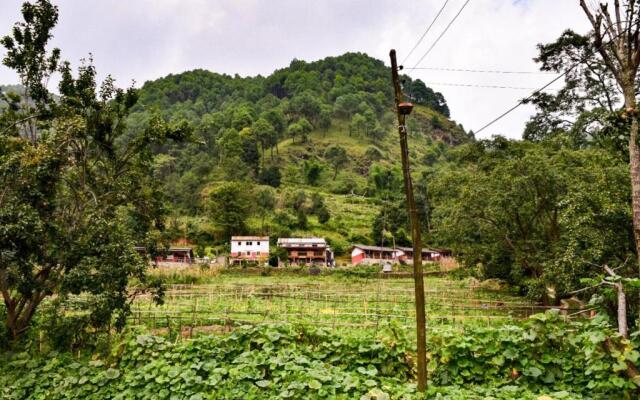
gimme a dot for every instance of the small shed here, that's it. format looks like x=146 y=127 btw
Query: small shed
x=368 y=255
x=182 y=255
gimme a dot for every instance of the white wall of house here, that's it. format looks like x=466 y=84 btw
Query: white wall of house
x=248 y=247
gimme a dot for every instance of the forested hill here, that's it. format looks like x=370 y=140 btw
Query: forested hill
x=324 y=129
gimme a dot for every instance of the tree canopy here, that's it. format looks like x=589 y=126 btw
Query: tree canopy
x=75 y=198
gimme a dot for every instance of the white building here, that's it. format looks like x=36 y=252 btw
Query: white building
x=249 y=248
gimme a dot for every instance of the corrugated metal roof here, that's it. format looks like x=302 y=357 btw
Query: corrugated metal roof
x=302 y=241
x=375 y=248
x=424 y=249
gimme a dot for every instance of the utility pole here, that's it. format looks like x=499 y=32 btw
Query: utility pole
x=403 y=109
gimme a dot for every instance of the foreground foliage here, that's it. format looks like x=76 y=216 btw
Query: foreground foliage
x=542 y=357
x=75 y=196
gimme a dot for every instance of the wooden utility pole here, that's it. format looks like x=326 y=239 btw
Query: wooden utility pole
x=403 y=109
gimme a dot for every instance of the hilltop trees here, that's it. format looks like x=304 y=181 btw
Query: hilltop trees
x=418 y=92
x=75 y=198
x=351 y=90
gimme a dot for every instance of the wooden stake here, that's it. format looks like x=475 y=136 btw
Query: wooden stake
x=415 y=231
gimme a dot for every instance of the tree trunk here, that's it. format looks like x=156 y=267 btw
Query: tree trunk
x=634 y=165
x=623 y=327
x=20 y=313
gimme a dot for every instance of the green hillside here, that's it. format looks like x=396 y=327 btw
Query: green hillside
x=316 y=142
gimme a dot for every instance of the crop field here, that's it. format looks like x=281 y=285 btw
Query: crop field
x=326 y=301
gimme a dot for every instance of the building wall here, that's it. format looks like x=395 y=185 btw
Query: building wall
x=257 y=248
x=357 y=256
x=307 y=253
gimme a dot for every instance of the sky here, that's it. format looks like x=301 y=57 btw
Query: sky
x=146 y=39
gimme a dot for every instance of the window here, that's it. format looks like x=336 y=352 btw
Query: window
x=249 y=243
x=258 y=243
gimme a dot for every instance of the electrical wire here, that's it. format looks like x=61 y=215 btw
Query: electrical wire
x=425 y=32
x=479 y=86
x=441 y=34
x=523 y=101
x=487 y=71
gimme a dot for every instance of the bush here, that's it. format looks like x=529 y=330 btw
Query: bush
x=270 y=176
x=315 y=270
x=323 y=215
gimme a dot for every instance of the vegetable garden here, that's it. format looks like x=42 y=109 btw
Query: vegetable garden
x=323 y=301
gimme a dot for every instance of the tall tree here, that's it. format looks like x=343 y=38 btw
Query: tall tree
x=265 y=201
x=617 y=40
x=229 y=208
x=265 y=134
x=75 y=196
x=584 y=111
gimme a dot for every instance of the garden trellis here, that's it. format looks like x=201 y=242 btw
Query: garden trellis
x=366 y=305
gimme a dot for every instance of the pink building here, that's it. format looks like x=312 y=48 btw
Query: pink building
x=368 y=255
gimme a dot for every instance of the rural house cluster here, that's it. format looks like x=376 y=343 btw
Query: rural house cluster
x=302 y=252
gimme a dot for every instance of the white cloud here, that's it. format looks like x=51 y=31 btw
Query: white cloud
x=147 y=39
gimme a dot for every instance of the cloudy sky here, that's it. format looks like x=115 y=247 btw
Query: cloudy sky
x=147 y=39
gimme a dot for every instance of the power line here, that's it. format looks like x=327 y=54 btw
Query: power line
x=523 y=101
x=425 y=32
x=487 y=71
x=479 y=86
x=442 y=34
